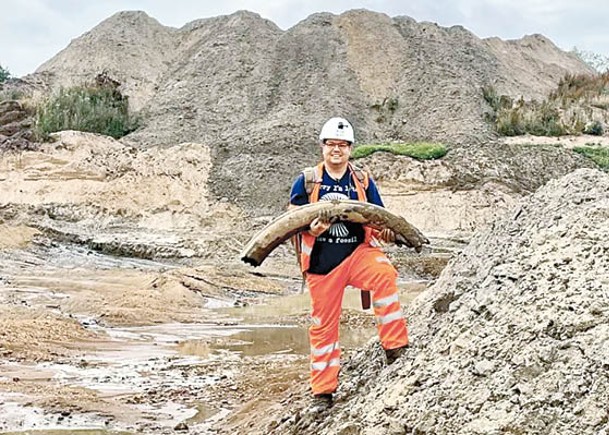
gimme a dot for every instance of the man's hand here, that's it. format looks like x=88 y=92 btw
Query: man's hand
x=320 y=224
x=387 y=236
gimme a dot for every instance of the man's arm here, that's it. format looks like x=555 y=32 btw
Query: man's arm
x=372 y=194
x=298 y=197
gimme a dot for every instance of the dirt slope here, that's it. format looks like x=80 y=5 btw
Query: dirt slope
x=529 y=66
x=512 y=337
x=131 y=47
x=256 y=94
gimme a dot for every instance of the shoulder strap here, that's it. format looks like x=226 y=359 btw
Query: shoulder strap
x=361 y=180
x=309 y=179
x=362 y=174
x=313 y=178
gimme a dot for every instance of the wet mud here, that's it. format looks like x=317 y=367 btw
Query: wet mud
x=105 y=358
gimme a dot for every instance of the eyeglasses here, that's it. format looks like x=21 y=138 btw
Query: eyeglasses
x=337 y=143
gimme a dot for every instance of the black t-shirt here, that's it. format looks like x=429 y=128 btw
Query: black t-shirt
x=341 y=239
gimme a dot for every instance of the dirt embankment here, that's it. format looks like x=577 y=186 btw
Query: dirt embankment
x=512 y=337
x=255 y=95
x=95 y=191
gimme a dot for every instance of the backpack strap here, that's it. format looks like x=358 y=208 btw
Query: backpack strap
x=313 y=178
x=361 y=178
x=362 y=174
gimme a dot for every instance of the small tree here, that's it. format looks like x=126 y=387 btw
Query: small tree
x=4 y=74
x=597 y=61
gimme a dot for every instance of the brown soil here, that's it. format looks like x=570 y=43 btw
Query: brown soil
x=36 y=334
x=16 y=237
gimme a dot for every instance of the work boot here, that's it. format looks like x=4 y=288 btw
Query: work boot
x=321 y=402
x=393 y=354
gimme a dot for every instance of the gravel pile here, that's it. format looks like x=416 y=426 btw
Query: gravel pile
x=257 y=95
x=513 y=338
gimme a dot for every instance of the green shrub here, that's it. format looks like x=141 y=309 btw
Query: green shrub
x=385 y=109
x=573 y=87
x=544 y=120
x=594 y=128
x=510 y=122
x=599 y=155
x=4 y=74
x=96 y=109
x=565 y=111
x=490 y=96
x=11 y=94
x=496 y=101
x=419 y=150
x=392 y=104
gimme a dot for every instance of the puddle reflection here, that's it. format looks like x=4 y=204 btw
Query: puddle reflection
x=267 y=340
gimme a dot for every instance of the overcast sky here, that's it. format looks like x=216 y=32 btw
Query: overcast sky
x=33 y=31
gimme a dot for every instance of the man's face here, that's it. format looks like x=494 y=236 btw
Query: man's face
x=336 y=152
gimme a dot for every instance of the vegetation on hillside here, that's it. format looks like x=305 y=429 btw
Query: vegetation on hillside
x=98 y=108
x=579 y=104
x=4 y=74
x=419 y=150
x=599 y=155
x=385 y=109
x=597 y=61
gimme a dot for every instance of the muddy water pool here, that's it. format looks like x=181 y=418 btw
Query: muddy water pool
x=138 y=361
x=154 y=378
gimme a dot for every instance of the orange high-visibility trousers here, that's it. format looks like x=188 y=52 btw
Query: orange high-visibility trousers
x=367 y=268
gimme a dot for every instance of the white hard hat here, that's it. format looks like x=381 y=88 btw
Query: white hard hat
x=337 y=128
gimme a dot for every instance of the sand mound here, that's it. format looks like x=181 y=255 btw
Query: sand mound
x=512 y=338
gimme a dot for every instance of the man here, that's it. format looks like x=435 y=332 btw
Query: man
x=334 y=255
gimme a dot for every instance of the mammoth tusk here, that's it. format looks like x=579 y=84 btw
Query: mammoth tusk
x=298 y=219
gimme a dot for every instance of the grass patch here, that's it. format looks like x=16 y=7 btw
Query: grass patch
x=420 y=150
x=12 y=94
x=599 y=155
x=95 y=109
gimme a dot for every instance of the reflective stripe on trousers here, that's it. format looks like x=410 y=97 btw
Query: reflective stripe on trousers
x=324 y=365
x=385 y=301
x=364 y=269
x=324 y=350
x=388 y=318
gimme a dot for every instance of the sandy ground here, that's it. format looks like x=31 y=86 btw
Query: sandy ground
x=65 y=317
x=137 y=344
